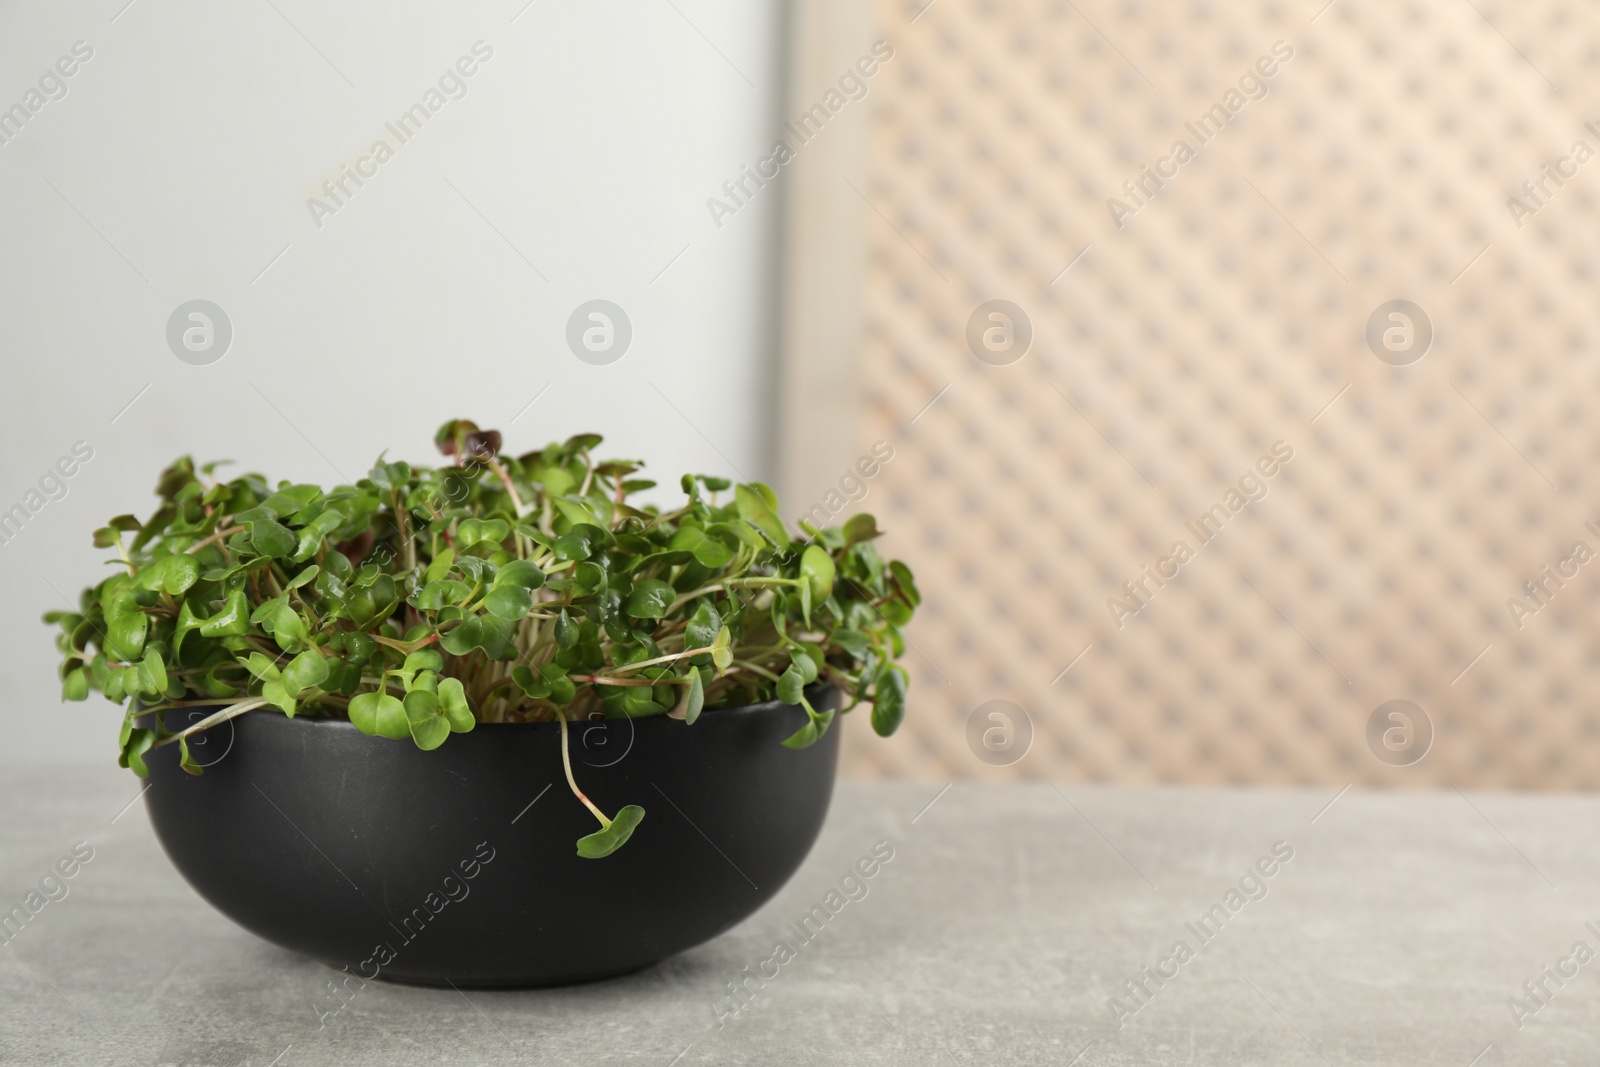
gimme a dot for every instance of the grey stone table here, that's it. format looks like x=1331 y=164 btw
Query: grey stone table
x=1014 y=925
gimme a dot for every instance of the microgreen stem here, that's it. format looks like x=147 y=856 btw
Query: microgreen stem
x=230 y=712
x=214 y=539
x=629 y=667
x=751 y=667
x=516 y=500
x=566 y=765
x=596 y=679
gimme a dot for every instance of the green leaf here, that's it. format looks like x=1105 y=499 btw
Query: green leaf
x=816 y=566
x=603 y=843
x=436 y=595
x=125 y=635
x=288 y=628
x=580 y=542
x=151 y=674
x=907 y=584
x=707 y=552
x=510 y=602
x=440 y=567
x=791 y=685
x=649 y=599
x=185 y=760
x=307 y=575
x=364 y=712
x=722 y=650
x=576 y=512
x=75 y=686
x=520 y=573
x=582 y=442
x=170 y=574
x=805 y=664
x=497 y=634
x=311 y=537
x=897 y=611
x=277 y=694
x=811 y=732
x=293 y=500
x=270 y=539
x=424 y=659
x=852 y=641
x=556 y=481
x=267 y=611
x=758 y=505
x=858 y=528
x=262 y=667
x=695 y=700
x=530 y=683
x=478 y=531
x=702 y=627
x=453 y=701
x=358 y=648
x=429 y=727
x=231 y=621
x=562 y=689
x=390 y=720
x=590 y=576
x=466 y=636
x=566 y=630
x=308 y=669
x=488 y=632
x=138 y=742
x=639 y=702
x=113 y=688
x=889 y=701
x=742 y=532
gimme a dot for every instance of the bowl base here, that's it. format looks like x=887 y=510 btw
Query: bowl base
x=508 y=984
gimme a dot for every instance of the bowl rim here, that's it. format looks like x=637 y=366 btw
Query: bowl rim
x=814 y=692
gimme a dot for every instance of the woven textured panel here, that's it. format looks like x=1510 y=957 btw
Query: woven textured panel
x=1227 y=315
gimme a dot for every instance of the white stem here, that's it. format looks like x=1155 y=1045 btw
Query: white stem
x=229 y=712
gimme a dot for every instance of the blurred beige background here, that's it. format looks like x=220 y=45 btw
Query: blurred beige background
x=1226 y=314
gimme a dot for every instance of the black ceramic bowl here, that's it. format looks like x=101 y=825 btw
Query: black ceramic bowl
x=459 y=865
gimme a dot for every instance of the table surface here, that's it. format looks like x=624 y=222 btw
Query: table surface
x=1006 y=929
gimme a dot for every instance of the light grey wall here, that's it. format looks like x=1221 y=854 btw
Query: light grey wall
x=179 y=164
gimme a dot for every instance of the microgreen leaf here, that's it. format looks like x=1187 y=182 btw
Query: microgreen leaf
x=75 y=686
x=816 y=566
x=508 y=602
x=453 y=702
x=707 y=552
x=566 y=630
x=520 y=573
x=171 y=574
x=757 y=505
x=791 y=685
x=271 y=539
x=889 y=701
x=429 y=726
x=604 y=842
x=694 y=698
x=721 y=649
x=478 y=531
x=308 y=669
x=858 y=528
x=649 y=599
